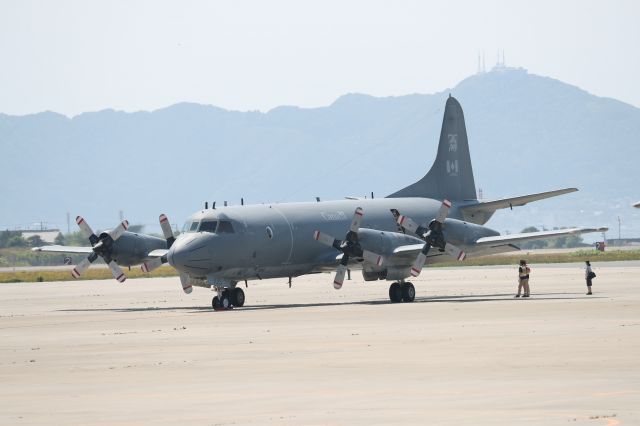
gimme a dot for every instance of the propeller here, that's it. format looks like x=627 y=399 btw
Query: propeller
x=350 y=247
x=155 y=263
x=432 y=235
x=102 y=246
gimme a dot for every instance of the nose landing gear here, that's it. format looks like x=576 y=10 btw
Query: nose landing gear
x=402 y=292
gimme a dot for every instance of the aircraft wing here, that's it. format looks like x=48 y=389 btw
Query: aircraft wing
x=64 y=249
x=500 y=240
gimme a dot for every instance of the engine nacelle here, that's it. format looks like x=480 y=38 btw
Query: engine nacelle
x=132 y=249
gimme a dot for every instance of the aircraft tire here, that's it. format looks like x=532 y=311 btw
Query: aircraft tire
x=395 y=293
x=237 y=297
x=225 y=300
x=408 y=292
x=215 y=302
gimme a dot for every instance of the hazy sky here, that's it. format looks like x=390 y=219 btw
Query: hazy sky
x=75 y=56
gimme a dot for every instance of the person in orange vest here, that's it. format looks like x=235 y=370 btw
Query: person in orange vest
x=523 y=278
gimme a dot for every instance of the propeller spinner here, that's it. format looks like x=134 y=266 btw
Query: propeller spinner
x=102 y=246
x=432 y=235
x=350 y=247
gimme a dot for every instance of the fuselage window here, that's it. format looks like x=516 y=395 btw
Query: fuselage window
x=208 y=226
x=194 y=227
x=225 y=227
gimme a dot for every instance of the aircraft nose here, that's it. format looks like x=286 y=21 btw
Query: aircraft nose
x=190 y=254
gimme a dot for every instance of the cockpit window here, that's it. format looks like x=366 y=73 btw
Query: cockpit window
x=225 y=227
x=194 y=227
x=208 y=226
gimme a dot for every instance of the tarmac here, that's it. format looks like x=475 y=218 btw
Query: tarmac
x=464 y=353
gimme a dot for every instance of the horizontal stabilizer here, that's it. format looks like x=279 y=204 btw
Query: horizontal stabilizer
x=528 y=236
x=481 y=212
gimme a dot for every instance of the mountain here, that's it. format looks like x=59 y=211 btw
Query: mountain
x=527 y=133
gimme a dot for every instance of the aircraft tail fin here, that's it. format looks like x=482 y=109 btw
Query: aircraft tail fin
x=451 y=175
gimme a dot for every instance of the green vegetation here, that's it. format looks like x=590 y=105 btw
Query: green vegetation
x=91 y=274
x=167 y=271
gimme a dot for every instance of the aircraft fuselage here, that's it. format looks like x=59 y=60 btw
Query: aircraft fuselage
x=276 y=240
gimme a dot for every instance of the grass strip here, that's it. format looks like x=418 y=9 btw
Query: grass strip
x=168 y=271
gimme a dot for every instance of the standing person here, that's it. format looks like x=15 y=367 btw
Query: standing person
x=523 y=278
x=589 y=275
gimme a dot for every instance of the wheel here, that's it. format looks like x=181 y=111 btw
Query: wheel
x=225 y=300
x=215 y=302
x=395 y=293
x=237 y=297
x=408 y=292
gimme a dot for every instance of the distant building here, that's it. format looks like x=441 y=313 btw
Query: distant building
x=48 y=236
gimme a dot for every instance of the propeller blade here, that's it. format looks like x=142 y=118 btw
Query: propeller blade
x=407 y=224
x=86 y=229
x=372 y=257
x=325 y=239
x=117 y=272
x=152 y=264
x=444 y=211
x=166 y=230
x=419 y=262
x=339 y=279
x=357 y=218
x=119 y=230
x=81 y=267
x=455 y=251
x=186 y=285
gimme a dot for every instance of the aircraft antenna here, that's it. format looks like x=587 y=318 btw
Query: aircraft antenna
x=225 y=204
x=213 y=205
x=242 y=201
x=372 y=195
x=317 y=199
x=206 y=205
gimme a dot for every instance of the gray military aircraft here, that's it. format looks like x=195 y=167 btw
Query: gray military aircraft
x=392 y=238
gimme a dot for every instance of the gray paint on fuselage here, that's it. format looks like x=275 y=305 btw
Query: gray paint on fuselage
x=291 y=251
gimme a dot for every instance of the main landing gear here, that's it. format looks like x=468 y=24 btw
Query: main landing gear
x=227 y=298
x=402 y=292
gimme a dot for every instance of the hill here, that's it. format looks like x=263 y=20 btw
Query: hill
x=527 y=133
